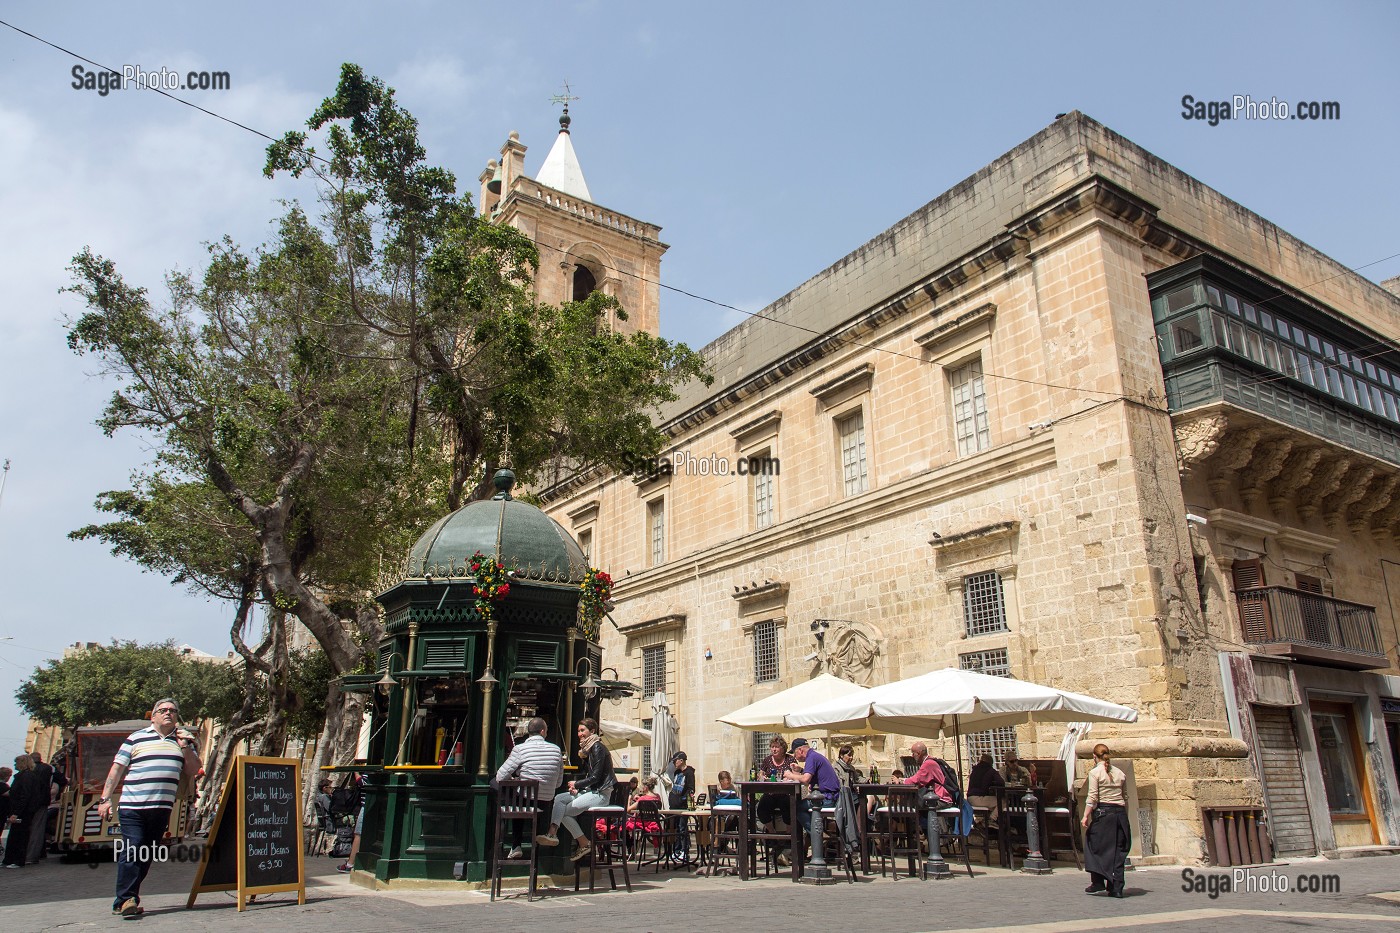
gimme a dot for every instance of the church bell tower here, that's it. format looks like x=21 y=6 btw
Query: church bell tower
x=583 y=246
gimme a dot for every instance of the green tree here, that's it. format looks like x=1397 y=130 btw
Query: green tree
x=108 y=683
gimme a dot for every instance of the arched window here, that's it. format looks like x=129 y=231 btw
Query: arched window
x=584 y=283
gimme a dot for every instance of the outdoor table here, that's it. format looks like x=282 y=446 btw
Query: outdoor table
x=749 y=792
x=685 y=825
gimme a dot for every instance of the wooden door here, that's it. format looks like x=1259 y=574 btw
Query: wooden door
x=1281 y=769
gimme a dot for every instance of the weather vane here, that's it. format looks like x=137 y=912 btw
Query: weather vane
x=564 y=99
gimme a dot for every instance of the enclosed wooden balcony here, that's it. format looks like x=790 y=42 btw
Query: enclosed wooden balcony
x=1311 y=627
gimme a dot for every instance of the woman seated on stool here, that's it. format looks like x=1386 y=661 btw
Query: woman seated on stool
x=594 y=789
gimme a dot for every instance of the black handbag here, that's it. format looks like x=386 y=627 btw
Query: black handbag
x=344 y=841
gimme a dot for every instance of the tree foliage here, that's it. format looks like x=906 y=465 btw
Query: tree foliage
x=315 y=402
x=108 y=683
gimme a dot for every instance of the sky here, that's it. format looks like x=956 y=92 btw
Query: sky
x=767 y=140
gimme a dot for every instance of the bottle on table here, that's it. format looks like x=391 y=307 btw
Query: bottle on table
x=753 y=772
x=874 y=774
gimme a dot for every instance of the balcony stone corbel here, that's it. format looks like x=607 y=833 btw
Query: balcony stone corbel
x=1358 y=481
x=1235 y=453
x=1297 y=473
x=1326 y=479
x=1268 y=463
x=1197 y=440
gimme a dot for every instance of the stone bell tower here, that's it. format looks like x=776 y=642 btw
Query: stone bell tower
x=583 y=247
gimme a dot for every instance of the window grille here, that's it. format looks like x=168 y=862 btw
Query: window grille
x=653 y=670
x=853 y=468
x=656 y=528
x=994 y=742
x=765 y=652
x=758 y=748
x=762 y=495
x=984 y=610
x=970 y=423
x=646 y=750
x=992 y=662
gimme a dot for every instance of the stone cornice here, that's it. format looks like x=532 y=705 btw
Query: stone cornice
x=987 y=534
x=584 y=513
x=759 y=429
x=845 y=386
x=942 y=335
x=672 y=621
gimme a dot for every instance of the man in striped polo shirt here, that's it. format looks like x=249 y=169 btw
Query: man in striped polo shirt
x=535 y=759
x=147 y=769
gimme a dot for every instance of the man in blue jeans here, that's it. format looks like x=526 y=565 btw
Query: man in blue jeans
x=147 y=769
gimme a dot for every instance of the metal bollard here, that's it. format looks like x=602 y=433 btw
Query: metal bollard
x=1035 y=863
x=934 y=865
x=817 y=871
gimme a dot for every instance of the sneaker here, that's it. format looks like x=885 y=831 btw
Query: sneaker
x=581 y=853
x=130 y=909
x=546 y=840
x=515 y=853
x=344 y=868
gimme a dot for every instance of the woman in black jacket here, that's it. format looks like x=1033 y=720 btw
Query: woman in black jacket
x=594 y=789
x=29 y=807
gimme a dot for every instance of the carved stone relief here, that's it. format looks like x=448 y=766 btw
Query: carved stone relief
x=1197 y=440
x=854 y=652
x=1267 y=465
x=1297 y=472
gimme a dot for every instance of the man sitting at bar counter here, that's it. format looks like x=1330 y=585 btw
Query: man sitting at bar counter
x=1015 y=773
x=535 y=759
x=814 y=768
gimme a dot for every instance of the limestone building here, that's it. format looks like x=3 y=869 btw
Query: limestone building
x=1081 y=420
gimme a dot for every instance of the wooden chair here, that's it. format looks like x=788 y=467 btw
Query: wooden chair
x=607 y=826
x=900 y=835
x=649 y=845
x=724 y=841
x=1062 y=822
x=516 y=801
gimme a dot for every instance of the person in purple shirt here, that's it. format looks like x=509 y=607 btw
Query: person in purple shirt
x=812 y=767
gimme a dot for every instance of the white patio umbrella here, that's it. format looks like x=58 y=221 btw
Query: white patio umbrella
x=951 y=701
x=620 y=735
x=766 y=715
x=663 y=733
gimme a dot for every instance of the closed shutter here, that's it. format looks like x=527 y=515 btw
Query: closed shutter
x=1282 y=772
x=1314 y=611
x=1253 y=608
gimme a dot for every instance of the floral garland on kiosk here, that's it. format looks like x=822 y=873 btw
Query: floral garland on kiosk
x=491 y=584
x=595 y=601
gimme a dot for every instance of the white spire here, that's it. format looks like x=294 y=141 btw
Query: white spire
x=561 y=169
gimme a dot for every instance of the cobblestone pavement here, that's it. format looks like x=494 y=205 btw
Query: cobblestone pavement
x=53 y=896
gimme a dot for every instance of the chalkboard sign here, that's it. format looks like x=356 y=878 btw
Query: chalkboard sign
x=255 y=842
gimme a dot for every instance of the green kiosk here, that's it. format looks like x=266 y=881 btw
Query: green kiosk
x=483 y=632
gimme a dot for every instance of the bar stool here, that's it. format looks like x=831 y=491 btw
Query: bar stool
x=724 y=839
x=516 y=802
x=607 y=826
x=1063 y=813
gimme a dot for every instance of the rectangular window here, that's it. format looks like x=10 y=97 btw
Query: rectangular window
x=653 y=670
x=970 y=422
x=585 y=543
x=994 y=742
x=762 y=491
x=765 y=652
x=1186 y=334
x=851 y=430
x=984 y=609
x=656 y=531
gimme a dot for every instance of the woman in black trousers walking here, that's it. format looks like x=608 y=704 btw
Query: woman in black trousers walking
x=1107 y=836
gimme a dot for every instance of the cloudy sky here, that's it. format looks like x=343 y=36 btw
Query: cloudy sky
x=768 y=140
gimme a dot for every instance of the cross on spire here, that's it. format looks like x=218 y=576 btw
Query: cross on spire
x=564 y=99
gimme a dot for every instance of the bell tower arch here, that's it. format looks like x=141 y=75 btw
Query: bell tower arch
x=584 y=247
